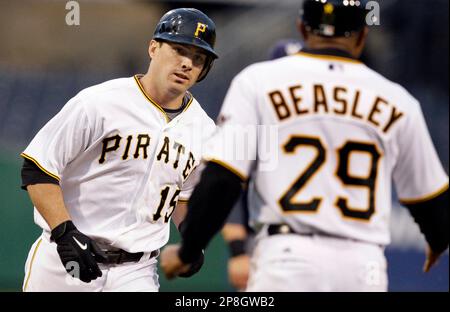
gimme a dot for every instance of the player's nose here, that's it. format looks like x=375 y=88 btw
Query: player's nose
x=187 y=63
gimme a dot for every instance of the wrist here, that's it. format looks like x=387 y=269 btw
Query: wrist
x=188 y=256
x=53 y=222
x=62 y=229
x=236 y=247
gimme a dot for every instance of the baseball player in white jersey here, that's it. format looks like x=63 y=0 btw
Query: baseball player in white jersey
x=321 y=186
x=236 y=233
x=108 y=171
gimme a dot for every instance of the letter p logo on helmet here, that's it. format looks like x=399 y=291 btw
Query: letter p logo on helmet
x=200 y=28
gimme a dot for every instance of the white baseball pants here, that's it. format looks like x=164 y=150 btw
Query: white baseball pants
x=45 y=272
x=296 y=263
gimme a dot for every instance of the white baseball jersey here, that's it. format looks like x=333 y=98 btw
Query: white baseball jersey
x=335 y=135
x=121 y=164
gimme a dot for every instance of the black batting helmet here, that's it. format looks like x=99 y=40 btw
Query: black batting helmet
x=192 y=27
x=334 y=18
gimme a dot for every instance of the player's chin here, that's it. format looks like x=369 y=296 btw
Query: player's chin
x=177 y=89
x=182 y=84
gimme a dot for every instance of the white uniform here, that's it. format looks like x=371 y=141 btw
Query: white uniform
x=122 y=167
x=335 y=135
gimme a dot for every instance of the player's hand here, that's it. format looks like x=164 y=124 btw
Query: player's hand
x=79 y=254
x=432 y=259
x=171 y=263
x=238 y=270
x=195 y=266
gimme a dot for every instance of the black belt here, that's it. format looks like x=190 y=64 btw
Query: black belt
x=284 y=228
x=121 y=256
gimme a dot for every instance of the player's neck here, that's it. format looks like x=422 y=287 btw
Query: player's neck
x=332 y=47
x=164 y=98
x=315 y=43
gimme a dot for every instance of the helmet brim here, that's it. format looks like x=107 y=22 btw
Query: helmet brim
x=183 y=39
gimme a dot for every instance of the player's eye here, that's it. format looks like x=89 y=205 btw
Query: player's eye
x=179 y=50
x=199 y=59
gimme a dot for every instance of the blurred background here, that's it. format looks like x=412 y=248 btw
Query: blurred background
x=44 y=62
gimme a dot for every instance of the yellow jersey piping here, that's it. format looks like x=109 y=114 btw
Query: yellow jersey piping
x=409 y=201
x=136 y=78
x=40 y=167
x=230 y=168
x=31 y=264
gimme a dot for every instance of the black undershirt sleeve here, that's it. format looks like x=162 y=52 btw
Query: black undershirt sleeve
x=432 y=218
x=208 y=208
x=31 y=174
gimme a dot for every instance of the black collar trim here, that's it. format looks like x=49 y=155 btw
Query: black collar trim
x=329 y=52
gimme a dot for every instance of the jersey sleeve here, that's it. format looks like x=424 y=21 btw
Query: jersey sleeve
x=190 y=183
x=234 y=144
x=60 y=140
x=418 y=174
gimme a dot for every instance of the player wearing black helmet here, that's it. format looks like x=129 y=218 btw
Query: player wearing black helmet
x=107 y=173
x=321 y=203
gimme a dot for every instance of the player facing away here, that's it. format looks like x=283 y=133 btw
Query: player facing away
x=108 y=171
x=321 y=199
x=236 y=233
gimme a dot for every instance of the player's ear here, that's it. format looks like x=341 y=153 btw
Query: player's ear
x=152 y=48
x=302 y=29
x=361 y=41
x=362 y=36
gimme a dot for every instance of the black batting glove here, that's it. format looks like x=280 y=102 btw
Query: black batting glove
x=74 y=246
x=195 y=266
